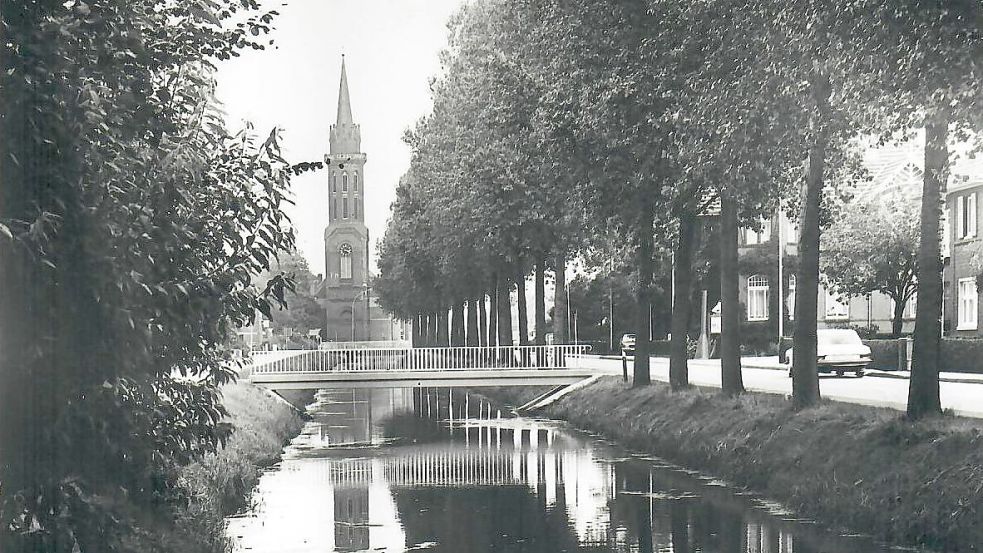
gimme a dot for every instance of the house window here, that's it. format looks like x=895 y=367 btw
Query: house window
x=344 y=205
x=791 y=232
x=836 y=307
x=791 y=297
x=966 y=216
x=344 y=182
x=911 y=307
x=967 y=304
x=752 y=237
x=757 y=298
x=345 y=252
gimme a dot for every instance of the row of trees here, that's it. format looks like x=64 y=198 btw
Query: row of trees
x=132 y=223
x=610 y=131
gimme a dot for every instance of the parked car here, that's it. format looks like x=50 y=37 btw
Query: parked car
x=628 y=344
x=839 y=350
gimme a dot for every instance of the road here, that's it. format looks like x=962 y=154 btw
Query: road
x=965 y=399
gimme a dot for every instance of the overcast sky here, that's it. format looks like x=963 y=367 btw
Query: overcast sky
x=391 y=52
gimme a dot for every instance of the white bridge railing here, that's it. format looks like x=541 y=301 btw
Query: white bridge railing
x=422 y=359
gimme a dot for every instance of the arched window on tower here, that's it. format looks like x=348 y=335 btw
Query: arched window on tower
x=334 y=181
x=345 y=254
x=344 y=182
x=355 y=182
x=332 y=214
x=355 y=208
x=344 y=206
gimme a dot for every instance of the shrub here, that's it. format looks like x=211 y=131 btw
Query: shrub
x=885 y=354
x=865 y=332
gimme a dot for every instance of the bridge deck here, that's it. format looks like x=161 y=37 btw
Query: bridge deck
x=416 y=367
x=431 y=378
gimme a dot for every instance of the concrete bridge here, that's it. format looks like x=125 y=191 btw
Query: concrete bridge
x=393 y=367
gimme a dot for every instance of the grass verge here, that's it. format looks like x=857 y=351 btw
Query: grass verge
x=849 y=467
x=219 y=485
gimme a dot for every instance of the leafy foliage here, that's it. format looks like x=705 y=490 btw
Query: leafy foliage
x=873 y=247
x=133 y=224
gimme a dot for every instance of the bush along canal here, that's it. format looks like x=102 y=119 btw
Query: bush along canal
x=435 y=470
x=220 y=483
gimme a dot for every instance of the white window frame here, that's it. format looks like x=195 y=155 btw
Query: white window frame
x=971 y=215
x=757 y=298
x=967 y=300
x=791 y=232
x=832 y=302
x=966 y=216
x=791 y=297
x=753 y=237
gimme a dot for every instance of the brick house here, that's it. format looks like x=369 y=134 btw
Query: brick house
x=961 y=306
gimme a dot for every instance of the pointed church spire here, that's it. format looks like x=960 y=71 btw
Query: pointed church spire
x=345 y=136
x=344 y=101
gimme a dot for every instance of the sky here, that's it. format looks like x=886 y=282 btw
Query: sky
x=391 y=50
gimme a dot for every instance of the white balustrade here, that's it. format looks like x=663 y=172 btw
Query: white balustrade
x=416 y=359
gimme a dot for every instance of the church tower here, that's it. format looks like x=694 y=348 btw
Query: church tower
x=346 y=238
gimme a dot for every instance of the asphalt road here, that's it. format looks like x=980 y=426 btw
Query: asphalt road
x=965 y=399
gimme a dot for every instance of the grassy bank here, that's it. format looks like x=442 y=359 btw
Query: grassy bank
x=219 y=484
x=847 y=466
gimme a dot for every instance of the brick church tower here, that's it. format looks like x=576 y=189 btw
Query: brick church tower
x=346 y=238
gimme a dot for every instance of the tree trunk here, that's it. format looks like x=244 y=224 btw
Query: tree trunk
x=923 y=389
x=731 y=380
x=431 y=329
x=681 y=299
x=457 y=324
x=643 y=261
x=493 y=312
x=805 y=376
x=483 y=321
x=520 y=300
x=504 y=313
x=560 y=299
x=540 y=300
x=472 y=333
x=897 y=318
x=442 y=337
x=418 y=330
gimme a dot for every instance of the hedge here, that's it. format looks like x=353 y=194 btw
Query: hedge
x=886 y=354
x=962 y=355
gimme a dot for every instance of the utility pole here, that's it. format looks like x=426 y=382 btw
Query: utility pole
x=611 y=307
x=781 y=282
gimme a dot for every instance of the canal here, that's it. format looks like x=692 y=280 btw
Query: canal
x=391 y=470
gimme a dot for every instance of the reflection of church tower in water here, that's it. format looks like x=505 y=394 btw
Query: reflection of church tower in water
x=346 y=238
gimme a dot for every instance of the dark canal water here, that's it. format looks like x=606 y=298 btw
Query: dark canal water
x=418 y=470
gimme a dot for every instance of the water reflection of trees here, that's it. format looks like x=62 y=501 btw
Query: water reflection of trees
x=465 y=477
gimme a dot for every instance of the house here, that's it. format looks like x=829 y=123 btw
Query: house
x=961 y=299
x=893 y=171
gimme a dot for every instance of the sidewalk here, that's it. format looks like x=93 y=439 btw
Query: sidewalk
x=771 y=363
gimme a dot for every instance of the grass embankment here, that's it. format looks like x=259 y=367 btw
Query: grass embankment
x=847 y=466
x=219 y=485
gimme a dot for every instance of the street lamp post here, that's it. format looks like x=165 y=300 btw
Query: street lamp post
x=355 y=299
